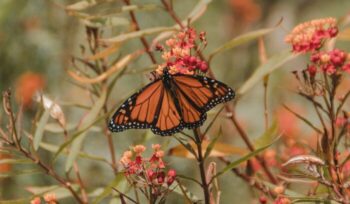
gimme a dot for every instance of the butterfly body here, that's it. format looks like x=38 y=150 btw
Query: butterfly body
x=171 y=103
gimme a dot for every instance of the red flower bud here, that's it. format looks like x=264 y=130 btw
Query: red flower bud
x=160 y=177
x=203 y=67
x=333 y=31
x=138 y=159
x=312 y=70
x=263 y=199
x=170 y=180
x=315 y=57
x=172 y=173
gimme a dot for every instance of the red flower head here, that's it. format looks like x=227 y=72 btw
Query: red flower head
x=178 y=54
x=310 y=35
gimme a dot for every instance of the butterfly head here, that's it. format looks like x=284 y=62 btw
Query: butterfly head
x=166 y=74
x=166 y=71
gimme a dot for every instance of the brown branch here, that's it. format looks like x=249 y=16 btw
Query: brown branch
x=250 y=146
x=16 y=143
x=143 y=39
x=201 y=160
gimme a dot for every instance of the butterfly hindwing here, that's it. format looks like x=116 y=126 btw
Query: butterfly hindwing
x=168 y=120
x=197 y=95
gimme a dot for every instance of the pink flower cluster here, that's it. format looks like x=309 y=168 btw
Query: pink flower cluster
x=329 y=62
x=309 y=36
x=149 y=171
x=180 y=53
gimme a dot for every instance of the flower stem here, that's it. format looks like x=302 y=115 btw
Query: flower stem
x=201 y=160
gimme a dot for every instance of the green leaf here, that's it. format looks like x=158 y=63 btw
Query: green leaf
x=211 y=144
x=185 y=144
x=305 y=120
x=182 y=190
x=118 y=178
x=137 y=34
x=213 y=120
x=54 y=148
x=76 y=135
x=271 y=65
x=39 y=132
x=242 y=159
x=81 y=5
x=20 y=173
x=15 y=161
x=198 y=10
x=240 y=40
x=17 y=201
x=268 y=136
x=88 y=120
x=106 y=22
x=57 y=128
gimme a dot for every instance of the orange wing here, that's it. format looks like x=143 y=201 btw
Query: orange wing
x=152 y=107
x=169 y=120
x=197 y=95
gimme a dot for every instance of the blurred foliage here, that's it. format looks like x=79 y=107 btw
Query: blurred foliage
x=42 y=37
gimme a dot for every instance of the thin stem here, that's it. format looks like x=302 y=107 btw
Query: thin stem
x=250 y=146
x=124 y=195
x=172 y=13
x=18 y=146
x=143 y=39
x=342 y=104
x=81 y=183
x=263 y=59
x=248 y=179
x=201 y=161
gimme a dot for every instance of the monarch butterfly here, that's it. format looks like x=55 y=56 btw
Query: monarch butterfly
x=171 y=103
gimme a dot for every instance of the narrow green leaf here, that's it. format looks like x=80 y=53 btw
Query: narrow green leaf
x=39 y=132
x=242 y=159
x=211 y=144
x=137 y=34
x=271 y=65
x=54 y=148
x=57 y=128
x=108 y=189
x=81 y=5
x=76 y=135
x=15 y=161
x=182 y=190
x=20 y=173
x=198 y=10
x=88 y=120
x=269 y=135
x=105 y=22
x=240 y=40
x=305 y=120
x=186 y=145
x=213 y=120
x=17 y=201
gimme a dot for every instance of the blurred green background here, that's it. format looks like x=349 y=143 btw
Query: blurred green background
x=39 y=36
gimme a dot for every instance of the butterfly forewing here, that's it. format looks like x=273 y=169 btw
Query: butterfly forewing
x=139 y=110
x=203 y=92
